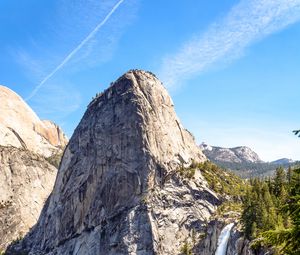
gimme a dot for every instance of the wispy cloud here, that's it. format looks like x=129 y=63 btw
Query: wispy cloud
x=58 y=107
x=90 y=36
x=225 y=40
x=81 y=34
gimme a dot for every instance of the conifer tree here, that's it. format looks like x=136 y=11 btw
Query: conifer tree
x=288 y=239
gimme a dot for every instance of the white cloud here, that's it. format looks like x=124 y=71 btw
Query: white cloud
x=224 y=41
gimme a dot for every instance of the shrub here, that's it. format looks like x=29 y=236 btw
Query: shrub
x=186 y=249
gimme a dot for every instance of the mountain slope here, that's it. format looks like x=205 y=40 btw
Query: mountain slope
x=128 y=182
x=27 y=145
x=243 y=161
x=283 y=161
x=20 y=126
x=240 y=154
x=26 y=180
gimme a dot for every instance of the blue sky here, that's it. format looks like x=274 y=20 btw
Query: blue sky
x=231 y=67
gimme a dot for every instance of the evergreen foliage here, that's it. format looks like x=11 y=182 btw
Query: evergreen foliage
x=271 y=211
x=222 y=182
x=259 y=212
x=288 y=239
x=186 y=249
x=248 y=170
x=55 y=159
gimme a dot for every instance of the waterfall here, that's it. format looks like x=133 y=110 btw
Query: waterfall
x=223 y=240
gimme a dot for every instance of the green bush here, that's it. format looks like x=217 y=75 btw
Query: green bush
x=55 y=159
x=186 y=249
x=187 y=173
x=221 y=181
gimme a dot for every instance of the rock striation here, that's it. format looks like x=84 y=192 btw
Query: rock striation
x=26 y=180
x=118 y=189
x=20 y=127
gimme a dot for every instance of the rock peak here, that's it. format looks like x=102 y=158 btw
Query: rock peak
x=131 y=80
x=239 y=154
x=140 y=93
x=127 y=149
x=21 y=127
x=140 y=73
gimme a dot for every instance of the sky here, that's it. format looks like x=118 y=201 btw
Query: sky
x=231 y=67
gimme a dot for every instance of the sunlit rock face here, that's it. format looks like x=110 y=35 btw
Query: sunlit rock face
x=118 y=190
x=241 y=154
x=26 y=177
x=20 y=126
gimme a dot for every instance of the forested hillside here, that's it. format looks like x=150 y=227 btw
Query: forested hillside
x=271 y=212
x=248 y=170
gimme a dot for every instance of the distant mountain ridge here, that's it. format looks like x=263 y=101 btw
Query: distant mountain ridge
x=283 y=161
x=240 y=154
x=243 y=161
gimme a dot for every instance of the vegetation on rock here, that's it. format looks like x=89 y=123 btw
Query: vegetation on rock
x=186 y=249
x=187 y=173
x=55 y=159
x=222 y=182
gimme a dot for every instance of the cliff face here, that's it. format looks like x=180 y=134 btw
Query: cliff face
x=26 y=177
x=20 y=127
x=118 y=189
x=26 y=180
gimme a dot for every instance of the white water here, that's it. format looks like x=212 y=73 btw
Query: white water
x=223 y=240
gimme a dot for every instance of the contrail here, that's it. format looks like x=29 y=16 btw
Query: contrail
x=73 y=52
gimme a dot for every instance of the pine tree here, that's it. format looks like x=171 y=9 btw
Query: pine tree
x=288 y=239
x=265 y=199
x=270 y=220
x=289 y=175
x=279 y=182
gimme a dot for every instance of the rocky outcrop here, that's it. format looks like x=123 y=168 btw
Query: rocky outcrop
x=119 y=188
x=26 y=180
x=26 y=177
x=236 y=244
x=240 y=154
x=51 y=132
x=209 y=244
x=20 y=127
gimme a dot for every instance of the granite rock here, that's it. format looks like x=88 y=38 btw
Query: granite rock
x=118 y=189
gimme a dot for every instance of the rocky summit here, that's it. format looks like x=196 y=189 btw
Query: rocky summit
x=241 y=154
x=20 y=127
x=27 y=144
x=124 y=186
